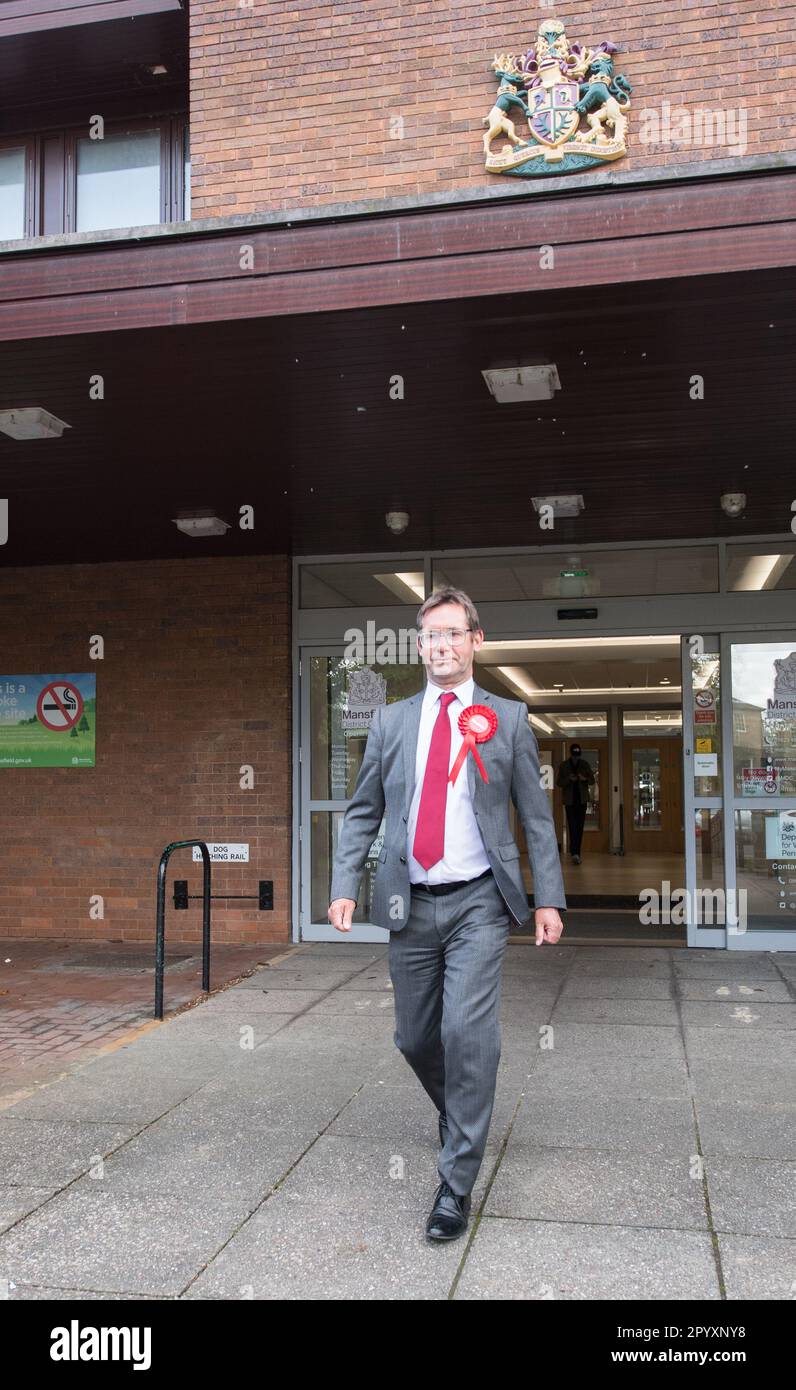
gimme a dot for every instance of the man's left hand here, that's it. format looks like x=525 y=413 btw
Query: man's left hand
x=548 y=925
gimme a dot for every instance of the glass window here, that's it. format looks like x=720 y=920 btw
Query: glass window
x=12 y=194
x=765 y=855
x=501 y=578
x=706 y=713
x=764 y=738
x=325 y=829
x=186 y=209
x=592 y=757
x=119 y=181
x=646 y=788
x=758 y=567
x=379 y=584
x=709 y=826
x=343 y=695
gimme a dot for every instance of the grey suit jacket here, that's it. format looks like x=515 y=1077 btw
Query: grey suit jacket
x=386 y=783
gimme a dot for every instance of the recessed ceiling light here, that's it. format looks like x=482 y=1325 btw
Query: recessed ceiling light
x=509 y=384
x=199 y=525
x=570 y=505
x=32 y=422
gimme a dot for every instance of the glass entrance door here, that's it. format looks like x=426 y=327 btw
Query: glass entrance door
x=653 y=795
x=338 y=698
x=759 y=736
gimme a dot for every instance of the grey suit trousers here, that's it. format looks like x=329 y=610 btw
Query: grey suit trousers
x=446 y=970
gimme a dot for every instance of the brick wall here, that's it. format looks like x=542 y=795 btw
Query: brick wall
x=195 y=682
x=292 y=104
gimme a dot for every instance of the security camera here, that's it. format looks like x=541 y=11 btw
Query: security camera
x=397 y=522
x=733 y=503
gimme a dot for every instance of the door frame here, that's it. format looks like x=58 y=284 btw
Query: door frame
x=760 y=939
x=307 y=929
x=731 y=613
x=667 y=831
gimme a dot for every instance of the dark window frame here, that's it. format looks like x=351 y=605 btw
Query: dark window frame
x=31 y=209
x=51 y=173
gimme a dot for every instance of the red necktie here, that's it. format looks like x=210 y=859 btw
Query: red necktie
x=429 y=843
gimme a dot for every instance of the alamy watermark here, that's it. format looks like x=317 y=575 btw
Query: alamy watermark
x=664 y=906
x=381 y=646
x=678 y=125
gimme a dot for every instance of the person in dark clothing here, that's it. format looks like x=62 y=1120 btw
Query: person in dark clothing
x=575 y=776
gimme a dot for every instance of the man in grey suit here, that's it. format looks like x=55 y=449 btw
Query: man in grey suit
x=448 y=884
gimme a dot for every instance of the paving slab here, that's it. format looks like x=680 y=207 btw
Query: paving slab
x=761 y=1130
x=553 y=1260
x=603 y=1186
x=753 y=1197
x=348 y=1223
x=16 y=1202
x=758 y=1267
x=654 y=1012
x=50 y=1153
x=716 y=991
x=664 y=1125
x=121 y=1242
x=740 y=1014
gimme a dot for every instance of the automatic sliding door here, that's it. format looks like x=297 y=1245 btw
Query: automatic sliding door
x=338 y=698
x=760 y=774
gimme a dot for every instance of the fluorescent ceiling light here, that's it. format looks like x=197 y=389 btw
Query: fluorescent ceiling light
x=583 y=723
x=201 y=526
x=32 y=422
x=508 y=384
x=755 y=572
x=515 y=676
x=540 y=724
x=407 y=586
x=548 y=643
x=653 y=723
x=603 y=690
x=567 y=504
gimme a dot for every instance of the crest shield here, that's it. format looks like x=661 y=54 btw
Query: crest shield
x=551 y=112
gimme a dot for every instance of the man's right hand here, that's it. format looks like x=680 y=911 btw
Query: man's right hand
x=341 y=912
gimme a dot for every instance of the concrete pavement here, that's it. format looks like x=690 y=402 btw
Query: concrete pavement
x=272 y=1143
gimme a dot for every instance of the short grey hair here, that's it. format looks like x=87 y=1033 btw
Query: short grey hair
x=447 y=594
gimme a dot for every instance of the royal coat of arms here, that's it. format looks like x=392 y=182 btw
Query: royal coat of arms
x=573 y=102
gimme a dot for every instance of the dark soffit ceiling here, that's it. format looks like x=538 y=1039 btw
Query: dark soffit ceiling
x=294 y=416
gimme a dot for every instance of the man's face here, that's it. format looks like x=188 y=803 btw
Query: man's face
x=447 y=663
x=575 y=751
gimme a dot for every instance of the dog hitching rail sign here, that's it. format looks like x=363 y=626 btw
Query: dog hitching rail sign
x=59 y=706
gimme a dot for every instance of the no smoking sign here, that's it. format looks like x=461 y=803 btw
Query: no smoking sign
x=59 y=706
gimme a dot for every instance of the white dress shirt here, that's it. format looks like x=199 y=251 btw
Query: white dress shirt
x=464 y=855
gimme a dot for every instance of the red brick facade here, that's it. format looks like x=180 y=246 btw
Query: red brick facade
x=294 y=105
x=194 y=684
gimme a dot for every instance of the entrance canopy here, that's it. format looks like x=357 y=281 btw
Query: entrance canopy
x=339 y=377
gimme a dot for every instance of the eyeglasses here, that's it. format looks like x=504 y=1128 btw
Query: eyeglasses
x=452 y=636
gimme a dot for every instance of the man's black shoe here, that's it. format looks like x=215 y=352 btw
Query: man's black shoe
x=448 y=1218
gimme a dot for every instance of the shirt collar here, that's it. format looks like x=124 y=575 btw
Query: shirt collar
x=463 y=692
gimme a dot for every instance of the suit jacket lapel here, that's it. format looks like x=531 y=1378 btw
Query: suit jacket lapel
x=413 y=709
x=474 y=778
x=412 y=712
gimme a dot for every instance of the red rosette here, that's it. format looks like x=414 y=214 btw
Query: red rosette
x=477 y=723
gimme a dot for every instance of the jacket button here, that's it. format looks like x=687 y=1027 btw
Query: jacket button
x=403 y=858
